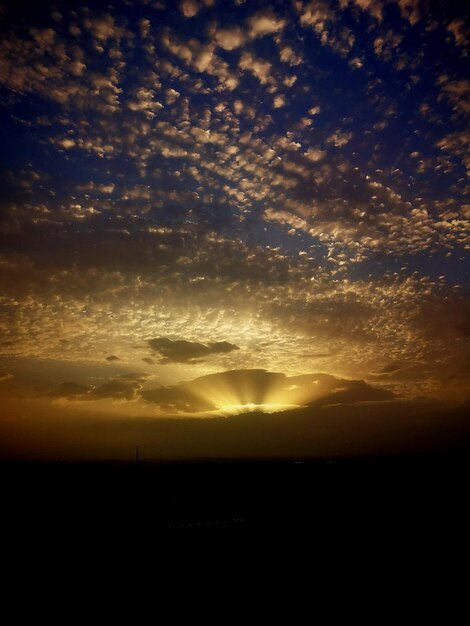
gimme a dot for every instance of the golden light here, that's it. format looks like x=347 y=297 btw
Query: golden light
x=235 y=409
x=243 y=391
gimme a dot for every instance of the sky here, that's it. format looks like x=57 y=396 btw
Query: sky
x=233 y=228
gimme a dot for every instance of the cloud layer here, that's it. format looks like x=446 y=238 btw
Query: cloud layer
x=238 y=391
x=251 y=185
x=182 y=351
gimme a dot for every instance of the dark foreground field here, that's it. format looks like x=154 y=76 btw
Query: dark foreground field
x=394 y=498
x=378 y=526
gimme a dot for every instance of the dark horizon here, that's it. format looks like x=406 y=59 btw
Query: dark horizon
x=324 y=432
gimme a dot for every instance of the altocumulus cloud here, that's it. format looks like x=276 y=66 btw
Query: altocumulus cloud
x=236 y=216
x=182 y=351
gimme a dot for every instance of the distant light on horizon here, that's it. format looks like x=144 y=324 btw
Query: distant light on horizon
x=235 y=409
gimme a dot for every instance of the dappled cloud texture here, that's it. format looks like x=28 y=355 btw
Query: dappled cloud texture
x=230 y=189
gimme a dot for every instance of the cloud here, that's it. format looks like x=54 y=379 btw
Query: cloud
x=460 y=32
x=259 y=68
x=144 y=100
x=196 y=229
x=320 y=17
x=315 y=14
x=386 y=45
x=356 y=63
x=104 y=27
x=287 y=55
x=125 y=387
x=177 y=399
x=66 y=143
x=258 y=25
x=374 y=7
x=339 y=139
x=240 y=390
x=390 y=368
x=189 y=8
x=116 y=389
x=315 y=154
x=457 y=144
x=229 y=38
x=284 y=217
x=181 y=351
x=192 y=51
x=261 y=24
x=457 y=93
x=279 y=101
x=70 y=390
x=354 y=392
x=410 y=10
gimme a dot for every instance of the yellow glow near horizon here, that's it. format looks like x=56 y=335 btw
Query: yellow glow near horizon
x=235 y=409
x=250 y=391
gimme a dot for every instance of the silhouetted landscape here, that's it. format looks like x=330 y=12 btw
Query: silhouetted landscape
x=402 y=497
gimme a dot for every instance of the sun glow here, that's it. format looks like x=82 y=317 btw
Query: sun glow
x=235 y=409
x=245 y=391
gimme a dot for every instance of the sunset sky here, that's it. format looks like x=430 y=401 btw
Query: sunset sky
x=233 y=227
